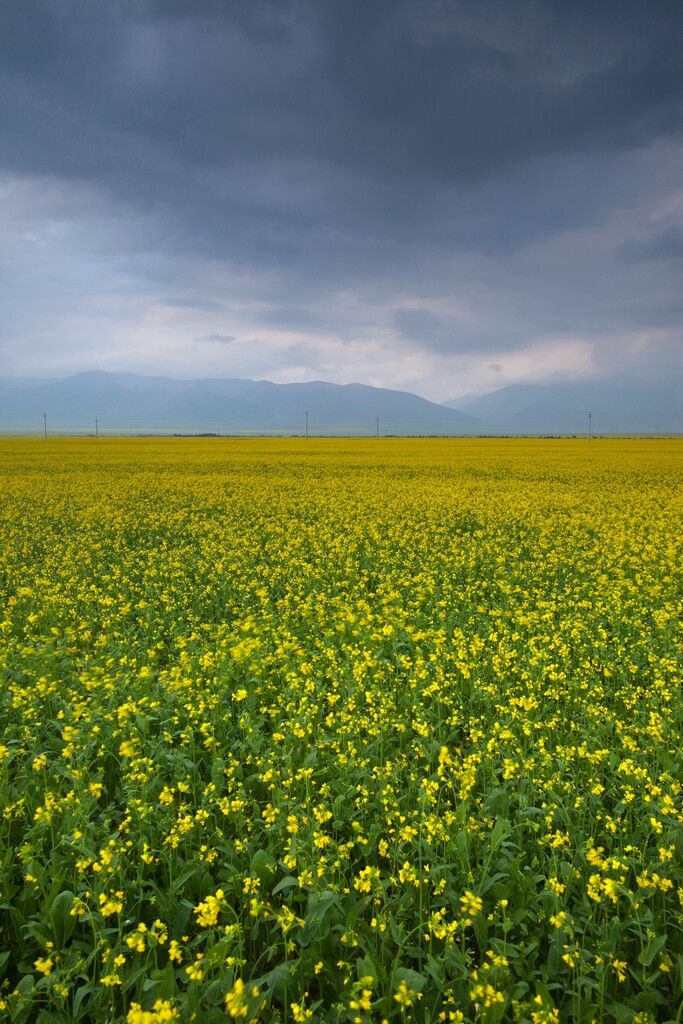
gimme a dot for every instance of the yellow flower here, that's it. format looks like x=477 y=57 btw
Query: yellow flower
x=405 y=996
x=44 y=965
x=300 y=1013
x=545 y=1015
x=194 y=971
x=175 y=952
x=619 y=968
x=163 y=1012
x=470 y=904
x=111 y=903
x=237 y=1000
x=208 y=911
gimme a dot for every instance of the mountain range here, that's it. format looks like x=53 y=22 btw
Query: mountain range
x=127 y=403
x=614 y=407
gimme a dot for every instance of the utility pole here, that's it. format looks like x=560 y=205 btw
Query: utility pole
x=590 y=416
x=97 y=429
x=307 y=425
x=45 y=425
x=378 y=426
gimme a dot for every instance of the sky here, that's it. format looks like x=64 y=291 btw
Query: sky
x=440 y=196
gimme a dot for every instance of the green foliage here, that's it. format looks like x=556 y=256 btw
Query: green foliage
x=367 y=731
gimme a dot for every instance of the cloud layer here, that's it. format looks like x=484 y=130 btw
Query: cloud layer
x=423 y=194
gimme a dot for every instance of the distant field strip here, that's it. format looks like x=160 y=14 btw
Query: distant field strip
x=341 y=731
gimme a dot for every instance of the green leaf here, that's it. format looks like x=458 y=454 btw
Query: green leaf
x=365 y=968
x=480 y=925
x=647 y=1000
x=288 y=882
x=179 y=882
x=543 y=992
x=311 y=757
x=276 y=980
x=61 y=919
x=620 y=1011
x=435 y=971
x=261 y=866
x=498 y=833
x=26 y=985
x=412 y=979
x=497 y=803
x=650 y=951
x=317 y=923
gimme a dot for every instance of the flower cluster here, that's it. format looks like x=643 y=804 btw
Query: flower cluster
x=352 y=731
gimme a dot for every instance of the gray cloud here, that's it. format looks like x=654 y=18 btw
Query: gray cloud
x=450 y=336
x=177 y=84
x=338 y=170
x=666 y=244
x=217 y=338
x=426 y=330
x=289 y=318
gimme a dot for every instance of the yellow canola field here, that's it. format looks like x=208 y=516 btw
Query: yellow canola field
x=341 y=731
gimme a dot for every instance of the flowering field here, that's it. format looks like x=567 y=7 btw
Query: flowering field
x=346 y=731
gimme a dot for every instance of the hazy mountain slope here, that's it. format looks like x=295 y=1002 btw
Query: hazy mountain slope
x=8 y=385
x=463 y=400
x=615 y=408
x=126 y=402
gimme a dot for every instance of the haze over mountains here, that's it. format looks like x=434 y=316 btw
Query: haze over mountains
x=615 y=407
x=131 y=404
x=127 y=403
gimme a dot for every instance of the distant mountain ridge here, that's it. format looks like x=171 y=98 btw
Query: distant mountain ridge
x=128 y=403
x=615 y=407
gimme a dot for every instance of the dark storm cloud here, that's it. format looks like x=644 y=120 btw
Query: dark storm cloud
x=143 y=93
x=384 y=149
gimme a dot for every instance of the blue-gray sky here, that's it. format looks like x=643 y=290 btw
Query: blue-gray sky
x=435 y=195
